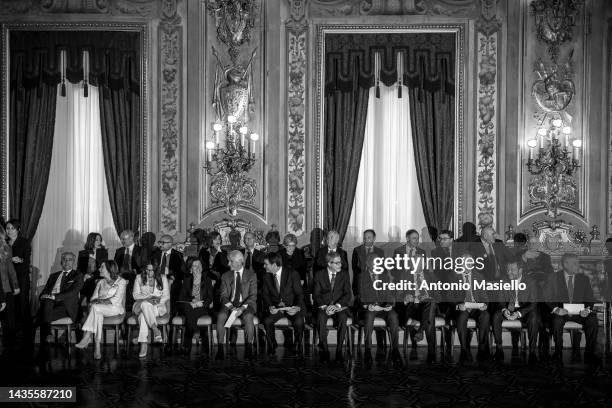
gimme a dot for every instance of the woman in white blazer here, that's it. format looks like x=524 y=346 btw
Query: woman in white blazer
x=108 y=299
x=151 y=299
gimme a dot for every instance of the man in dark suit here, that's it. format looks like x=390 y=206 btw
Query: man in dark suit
x=446 y=249
x=358 y=260
x=171 y=265
x=60 y=297
x=332 y=297
x=130 y=259
x=253 y=257
x=570 y=286
x=493 y=252
x=377 y=303
x=469 y=274
x=417 y=304
x=282 y=290
x=239 y=294
x=517 y=305
x=536 y=263
x=320 y=262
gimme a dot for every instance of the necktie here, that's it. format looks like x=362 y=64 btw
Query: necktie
x=163 y=264
x=196 y=289
x=570 y=288
x=470 y=296
x=127 y=259
x=277 y=281
x=333 y=280
x=247 y=264
x=238 y=290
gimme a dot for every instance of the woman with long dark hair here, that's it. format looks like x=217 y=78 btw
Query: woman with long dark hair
x=108 y=299
x=10 y=286
x=22 y=256
x=152 y=296
x=89 y=260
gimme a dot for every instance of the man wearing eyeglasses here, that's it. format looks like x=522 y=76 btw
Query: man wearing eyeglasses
x=170 y=263
x=332 y=297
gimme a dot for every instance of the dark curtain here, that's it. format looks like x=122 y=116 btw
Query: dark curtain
x=32 y=123
x=114 y=61
x=432 y=118
x=345 y=119
x=428 y=72
x=119 y=119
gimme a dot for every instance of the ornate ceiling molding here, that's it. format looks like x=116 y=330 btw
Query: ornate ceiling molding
x=142 y=8
x=322 y=8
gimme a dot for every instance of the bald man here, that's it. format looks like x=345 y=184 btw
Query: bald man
x=170 y=262
x=238 y=293
x=494 y=253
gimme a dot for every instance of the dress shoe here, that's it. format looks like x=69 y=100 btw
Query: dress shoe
x=431 y=358
x=49 y=339
x=463 y=357
x=271 y=350
x=499 y=355
x=324 y=356
x=84 y=342
x=418 y=336
x=339 y=357
x=220 y=354
x=482 y=356
x=143 y=350
x=557 y=357
x=186 y=350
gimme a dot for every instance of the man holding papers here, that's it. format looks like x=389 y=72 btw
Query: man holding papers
x=564 y=291
x=471 y=304
x=520 y=306
x=238 y=300
x=282 y=297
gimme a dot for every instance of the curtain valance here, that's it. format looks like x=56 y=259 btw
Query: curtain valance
x=113 y=58
x=428 y=60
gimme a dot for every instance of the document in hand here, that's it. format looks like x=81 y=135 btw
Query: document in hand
x=473 y=305
x=573 y=308
x=230 y=319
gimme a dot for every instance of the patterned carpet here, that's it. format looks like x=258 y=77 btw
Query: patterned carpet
x=167 y=380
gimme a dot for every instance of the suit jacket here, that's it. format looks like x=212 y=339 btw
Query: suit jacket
x=323 y=294
x=220 y=263
x=83 y=260
x=175 y=264
x=371 y=296
x=116 y=294
x=527 y=299
x=22 y=248
x=142 y=291
x=8 y=276
x=138 y=259
x=502 y=256
x=296 y=261
x=555 y=290
x=321 y=264
x=256 y=263
x=399 y=274
x=441 y=274
x=460 y=296
x=291 y=293
x=206 y=290
x=358 y=263
x=69 y=291
x=249 y=288
x=539 y=267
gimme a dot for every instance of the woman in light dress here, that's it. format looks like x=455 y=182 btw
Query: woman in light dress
x=151 y=296
x=108 y=299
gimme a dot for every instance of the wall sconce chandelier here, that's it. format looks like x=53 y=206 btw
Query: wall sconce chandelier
x=554 y=158
x=229 y=165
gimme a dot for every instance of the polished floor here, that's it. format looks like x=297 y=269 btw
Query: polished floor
x=170 y=380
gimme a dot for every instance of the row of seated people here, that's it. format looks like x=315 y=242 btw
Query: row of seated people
x=164 y=289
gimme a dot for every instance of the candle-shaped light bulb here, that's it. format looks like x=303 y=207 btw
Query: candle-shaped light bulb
x=577 y=146
x=231 y=119
x=217 y=128
x=566 y=130
x=253 y=143
x=557 y=123
x=210 y=146
x=243 y=131
x=542 y=132
x=532 y=143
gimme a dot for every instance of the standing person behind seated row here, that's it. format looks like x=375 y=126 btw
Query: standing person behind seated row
x=293 y=257
x=130 y=259
x=10 y=283
x=89 y=261
x=214 y=259
x=195 y=299
x=358 y=260
x=282 y=289
x=22 y=256
x=494 y=253
x=571 y=286
x=170 y=263
x=152 y=296
x=320 y=262
x=108 y=299
x=60 y=297
x=517 y=305
x=332 y=298
x=238 y=293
